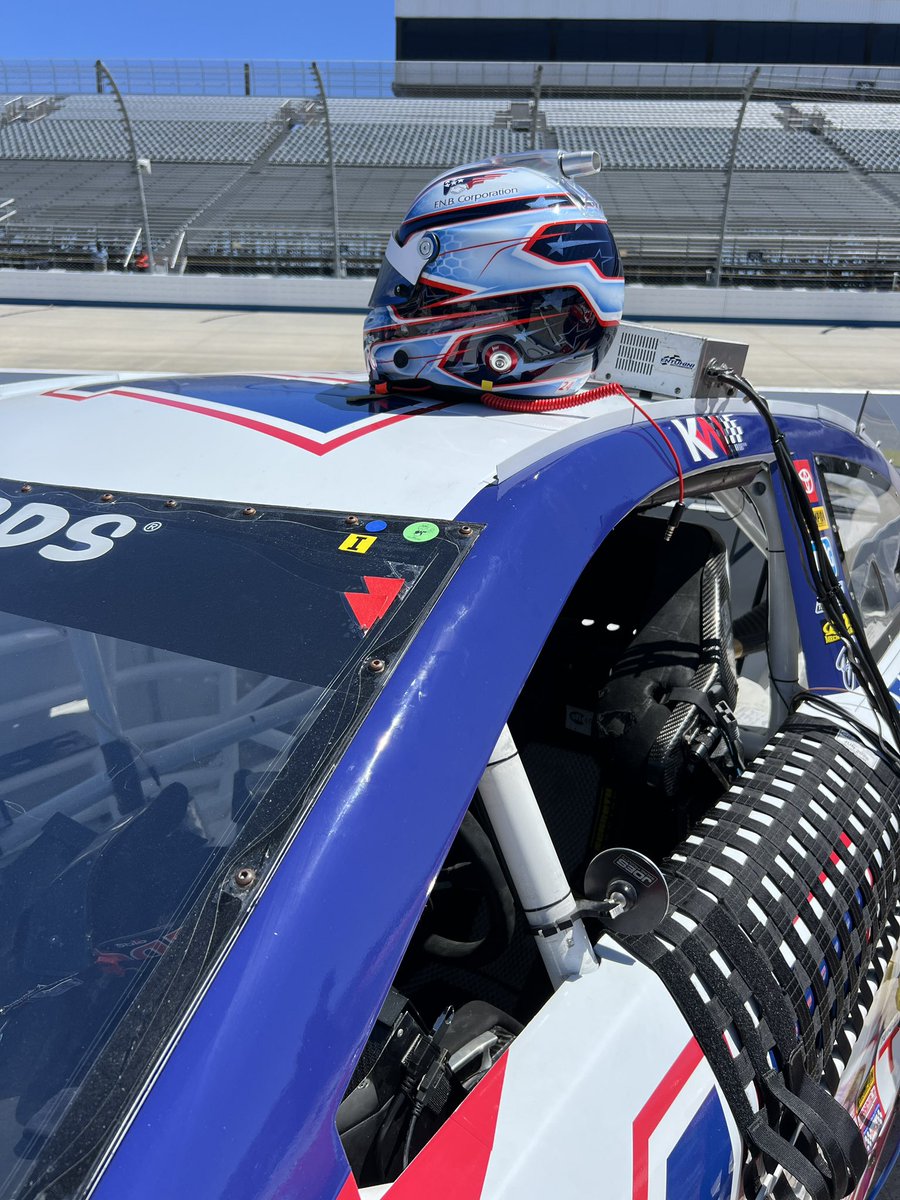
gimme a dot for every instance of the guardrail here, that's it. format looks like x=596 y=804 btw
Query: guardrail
x=871 y=262
x=323 y=293
x=287 y=77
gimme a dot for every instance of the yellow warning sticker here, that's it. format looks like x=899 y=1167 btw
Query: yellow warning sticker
x=829 y=632
x=821 y=518
x=358 y=543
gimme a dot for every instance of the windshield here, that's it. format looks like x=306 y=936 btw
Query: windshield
x=175 y=680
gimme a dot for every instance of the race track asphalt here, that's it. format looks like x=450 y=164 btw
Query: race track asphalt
x=152 y=339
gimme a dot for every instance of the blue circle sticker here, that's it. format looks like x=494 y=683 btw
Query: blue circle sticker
x=375 y=526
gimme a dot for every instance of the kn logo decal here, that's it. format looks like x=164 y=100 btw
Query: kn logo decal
x=710 y=438
x=312 y=415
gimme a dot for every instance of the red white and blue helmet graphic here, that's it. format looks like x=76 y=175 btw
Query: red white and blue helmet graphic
x=503 y=277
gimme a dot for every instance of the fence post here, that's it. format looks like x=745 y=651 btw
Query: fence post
x=535 y=105
x=103 y=73
x=732 y=159
x=329 y=146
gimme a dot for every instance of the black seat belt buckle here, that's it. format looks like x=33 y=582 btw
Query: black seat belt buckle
x=727 y=722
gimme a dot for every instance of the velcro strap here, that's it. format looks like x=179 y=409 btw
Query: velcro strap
x=779 y=930
x=700 y=700
x=779 y=1152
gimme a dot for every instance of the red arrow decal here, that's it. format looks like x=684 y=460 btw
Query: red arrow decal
x=369 y=606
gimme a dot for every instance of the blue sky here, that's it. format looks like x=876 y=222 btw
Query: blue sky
x=362 y=29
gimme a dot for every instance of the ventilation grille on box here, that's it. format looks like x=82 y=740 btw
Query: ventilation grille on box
x=636 y=352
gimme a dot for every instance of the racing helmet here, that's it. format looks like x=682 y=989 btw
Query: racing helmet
x=503 y=277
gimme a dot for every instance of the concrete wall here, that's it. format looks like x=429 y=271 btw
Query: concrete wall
x=204 y=291
x=351 y=295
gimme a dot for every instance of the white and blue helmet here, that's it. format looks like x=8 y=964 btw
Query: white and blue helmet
x=503 y=277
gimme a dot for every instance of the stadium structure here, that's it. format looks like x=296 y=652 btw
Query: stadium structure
x=853 y=32
x=712 y=172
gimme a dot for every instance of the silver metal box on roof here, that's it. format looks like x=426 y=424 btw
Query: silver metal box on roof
x=662 y=362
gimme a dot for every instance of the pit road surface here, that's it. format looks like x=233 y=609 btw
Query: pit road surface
x=200 y=340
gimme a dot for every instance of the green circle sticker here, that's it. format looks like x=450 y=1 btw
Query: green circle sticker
x=421 y=531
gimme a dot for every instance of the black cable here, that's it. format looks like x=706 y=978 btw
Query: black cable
x=837 y=605
x=384 y=1152
x=410 y=1130
x=872 y=737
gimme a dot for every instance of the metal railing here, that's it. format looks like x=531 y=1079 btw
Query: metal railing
x=286 y=77
x=757 y=260
x=749 y=260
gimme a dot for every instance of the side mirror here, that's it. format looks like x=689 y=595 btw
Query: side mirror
x=626 y=891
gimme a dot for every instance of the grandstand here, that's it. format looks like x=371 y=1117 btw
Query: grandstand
x=244 y=182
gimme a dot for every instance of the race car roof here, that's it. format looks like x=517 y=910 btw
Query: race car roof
x=314 y=441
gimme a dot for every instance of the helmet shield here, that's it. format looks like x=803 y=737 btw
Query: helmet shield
x=402 y=267
x=506 y=340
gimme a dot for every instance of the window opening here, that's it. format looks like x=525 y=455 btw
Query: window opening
x=866 y=515
x=602 y=776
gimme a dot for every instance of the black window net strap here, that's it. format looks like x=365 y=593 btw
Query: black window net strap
x=782 y=904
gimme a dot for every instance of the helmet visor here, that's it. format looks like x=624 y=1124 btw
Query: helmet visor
x=402 y=267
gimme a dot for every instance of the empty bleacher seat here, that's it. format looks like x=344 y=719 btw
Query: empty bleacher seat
x=248 y=176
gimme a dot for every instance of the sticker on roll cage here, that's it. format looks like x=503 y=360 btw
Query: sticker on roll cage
x=807 y=478
x=829 y=632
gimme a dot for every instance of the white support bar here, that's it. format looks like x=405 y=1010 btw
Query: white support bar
x=533 y=863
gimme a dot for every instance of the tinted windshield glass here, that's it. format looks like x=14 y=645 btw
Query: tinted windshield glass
x=173 y=683
x=867 y=511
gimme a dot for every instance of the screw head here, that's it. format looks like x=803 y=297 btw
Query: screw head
x=500 y=358
x=249 y=512
x=245 y=877
x=107 y=498
x=376 y=665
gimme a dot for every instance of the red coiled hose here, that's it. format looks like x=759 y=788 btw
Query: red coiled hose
x=544 y=404
x=551 y=403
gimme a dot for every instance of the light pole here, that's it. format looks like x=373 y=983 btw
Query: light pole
x=104 y=73
x=329 y=146
x=732 y=161
x=535 y=105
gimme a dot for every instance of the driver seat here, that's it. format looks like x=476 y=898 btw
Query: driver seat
x=664 y=719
